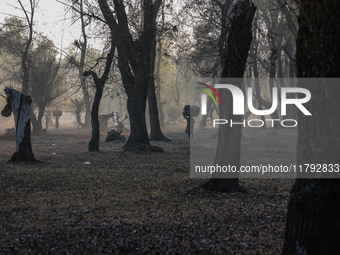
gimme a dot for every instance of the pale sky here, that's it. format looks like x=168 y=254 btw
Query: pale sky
x=49 y=18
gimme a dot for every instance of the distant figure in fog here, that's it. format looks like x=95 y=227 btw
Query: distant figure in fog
x=56 y=115
x=189 y=112
x=47 y=119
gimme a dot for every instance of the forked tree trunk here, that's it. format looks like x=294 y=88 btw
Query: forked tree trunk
x=313 y=224
x=229 y=138
x=99 y=83
x=136 y=62
x=20 y=105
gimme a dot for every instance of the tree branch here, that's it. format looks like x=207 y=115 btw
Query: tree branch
x=124 y=39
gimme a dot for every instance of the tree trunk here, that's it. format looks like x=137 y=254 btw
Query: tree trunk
x=87 y=103
x=156 y=132
x=94 y=142
x=313 y=224
x=177 y=93
x=229 y=138
x=136 y=62
x=37 y=121
x=256 y=75
x=34 y=122
x=99 y=83
x=160 y=106
x=272 y=75
x=136 y=105
x=258 y=92
x=40 y=117
x=20 y=106
x=83 y=50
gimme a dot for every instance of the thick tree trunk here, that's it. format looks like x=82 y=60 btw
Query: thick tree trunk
x=230 y=185
x=229 y=138
x=34 y=122
x=136 y=105
x=136 y=62
x=37 y=121
x=156 y=132
x=155 y=128
x=313 y=217
x=20 y=105
x=40 y=117
x=313 y=224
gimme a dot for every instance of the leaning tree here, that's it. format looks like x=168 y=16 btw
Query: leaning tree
x=99 y=83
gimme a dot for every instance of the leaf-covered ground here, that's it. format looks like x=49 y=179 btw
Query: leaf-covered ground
x=136 y=203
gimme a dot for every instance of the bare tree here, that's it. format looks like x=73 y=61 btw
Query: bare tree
x=23 y=47
x=99 y=83
x=136 y=60
x=29 y=16
x=45 y=79
x=82 y=45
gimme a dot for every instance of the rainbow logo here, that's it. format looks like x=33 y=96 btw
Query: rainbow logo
x=209 y=93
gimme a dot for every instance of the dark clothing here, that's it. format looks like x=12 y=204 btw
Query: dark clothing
x=190 y=126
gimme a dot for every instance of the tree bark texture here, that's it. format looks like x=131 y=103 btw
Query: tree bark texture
x=95 y=138
x=313 y=224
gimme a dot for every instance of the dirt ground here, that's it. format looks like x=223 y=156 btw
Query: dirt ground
x=138 y=203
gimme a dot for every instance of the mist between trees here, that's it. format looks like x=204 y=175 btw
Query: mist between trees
x=145 y=57
x=186 y=39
